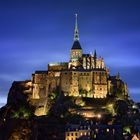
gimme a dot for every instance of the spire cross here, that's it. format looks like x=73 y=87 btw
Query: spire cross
x=76 y=35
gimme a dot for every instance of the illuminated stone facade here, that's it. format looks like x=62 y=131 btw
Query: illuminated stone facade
x=84 y=75
x=89 y=131
x=87 y=74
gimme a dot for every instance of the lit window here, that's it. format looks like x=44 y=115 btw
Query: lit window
x=101 y=96
x=96 y=130
x=99 y=116
x=107 y=130
x=113 y=131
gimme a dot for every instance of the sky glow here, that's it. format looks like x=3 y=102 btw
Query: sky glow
x=34 y=33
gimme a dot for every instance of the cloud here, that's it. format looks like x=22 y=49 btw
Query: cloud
x=135 y=93
x=3 y=100
x=2 y=104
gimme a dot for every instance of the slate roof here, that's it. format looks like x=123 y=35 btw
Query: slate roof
x=76 y=45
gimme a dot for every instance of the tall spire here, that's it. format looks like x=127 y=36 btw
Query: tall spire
x=76 y=35
x=95 y=59
x=95 y=54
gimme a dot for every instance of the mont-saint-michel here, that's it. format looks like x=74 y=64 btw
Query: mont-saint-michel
x=78 y=99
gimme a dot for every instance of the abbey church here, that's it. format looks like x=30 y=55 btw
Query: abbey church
x=85 y=75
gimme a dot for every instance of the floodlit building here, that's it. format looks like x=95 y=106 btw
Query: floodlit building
x=93 y=132
x=84 y=75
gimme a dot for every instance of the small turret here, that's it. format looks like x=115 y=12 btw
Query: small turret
x=95 y=59
x=118 y=76
x=95 y=55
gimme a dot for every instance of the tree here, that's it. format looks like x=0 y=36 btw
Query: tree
x=83 y=92
x=121 y=107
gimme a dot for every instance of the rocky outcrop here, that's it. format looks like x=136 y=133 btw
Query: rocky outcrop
x=20 y=91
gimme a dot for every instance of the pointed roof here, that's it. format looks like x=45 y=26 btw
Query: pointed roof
x=76 y=35
x=95 y=54
x=76 y=44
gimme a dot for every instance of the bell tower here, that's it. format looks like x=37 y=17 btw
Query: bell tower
x=76 y=50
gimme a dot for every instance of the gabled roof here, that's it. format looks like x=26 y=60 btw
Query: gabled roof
x=76 y=45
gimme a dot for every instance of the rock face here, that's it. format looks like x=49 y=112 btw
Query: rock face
x=21 y=92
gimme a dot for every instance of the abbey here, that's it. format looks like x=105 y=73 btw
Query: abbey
x=84 y=75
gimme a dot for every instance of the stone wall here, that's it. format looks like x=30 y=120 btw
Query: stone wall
x=94 y=83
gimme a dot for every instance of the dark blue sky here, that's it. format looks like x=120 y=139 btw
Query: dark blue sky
x=35 y=32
